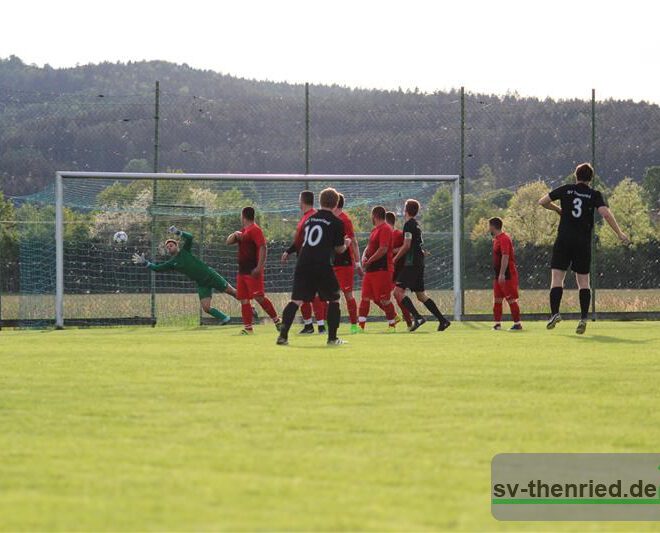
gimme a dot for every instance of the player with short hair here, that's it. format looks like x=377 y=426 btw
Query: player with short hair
x=306 y=202
x=505 y=284
x=182 y=260
x=346 y=264
x=412 y=274
x=323 y=237
x=397 y=243
x=377 y=263
x=572 y=247
x=252 y=253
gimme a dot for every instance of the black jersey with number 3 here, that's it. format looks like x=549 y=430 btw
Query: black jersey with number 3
x=320 y=234
x=578 y=202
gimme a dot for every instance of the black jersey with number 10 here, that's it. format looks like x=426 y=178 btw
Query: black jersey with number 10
x=578 y=202
x=321 y=233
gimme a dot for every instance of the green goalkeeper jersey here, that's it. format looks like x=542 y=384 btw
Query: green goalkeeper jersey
x=186 y=263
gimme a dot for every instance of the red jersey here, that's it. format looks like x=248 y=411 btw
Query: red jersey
x=381 y=235
x=397 y=242
x=298 y=239
x=252 y=238
x=346 y=259
x=502 y=245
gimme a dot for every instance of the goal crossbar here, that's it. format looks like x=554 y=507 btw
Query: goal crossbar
x=60 y=176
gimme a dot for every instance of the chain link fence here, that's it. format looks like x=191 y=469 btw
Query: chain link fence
x=510 y=151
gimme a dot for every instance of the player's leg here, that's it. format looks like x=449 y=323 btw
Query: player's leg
x=243 y=295
x=288 y=316
x=428 y=302
x=498 y=297
x=584 y=287
x=556 y=293
x=406 y=303
x=257 y=291
x=306 y=312
x=320 y=310
x=205 y=294
x=304 y=290
x=329 y=291
x=383 y=295
x=511 y=295
x=365 y=301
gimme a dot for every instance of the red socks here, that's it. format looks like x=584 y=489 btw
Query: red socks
x=351 y=305
x=515 y=311
x=497 y=311
x=390 y=312
x=320 y=308
x=246 y=314
x=267 y=306
x=306 y=311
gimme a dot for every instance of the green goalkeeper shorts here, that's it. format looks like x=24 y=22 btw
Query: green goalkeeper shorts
x=215 y=281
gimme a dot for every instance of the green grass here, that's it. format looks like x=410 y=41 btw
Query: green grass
x=201 y=429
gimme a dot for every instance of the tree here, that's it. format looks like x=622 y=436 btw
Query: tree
x=526 y=221
x=631 y=210
x=8 y=232
x=651 y=184
x=138 y=165
x=439 y=210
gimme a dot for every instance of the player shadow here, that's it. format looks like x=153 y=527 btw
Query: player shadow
x=608 y=339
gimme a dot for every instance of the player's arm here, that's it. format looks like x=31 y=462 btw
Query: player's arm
x=605 y=212
x=234 y=238
x=382 y=250
x=140 y=259
x=504 y=263
x=547 y=203
x=403 y=250
x=187 y=237
x=262 y=254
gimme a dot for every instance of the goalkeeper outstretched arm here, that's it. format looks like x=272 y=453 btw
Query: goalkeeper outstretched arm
x=140 y=259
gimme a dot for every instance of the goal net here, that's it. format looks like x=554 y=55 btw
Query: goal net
x=92 y=280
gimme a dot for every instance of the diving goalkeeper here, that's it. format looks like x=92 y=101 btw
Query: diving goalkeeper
x=186 y=263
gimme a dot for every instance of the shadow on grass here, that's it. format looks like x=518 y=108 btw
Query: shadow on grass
x=607 y=339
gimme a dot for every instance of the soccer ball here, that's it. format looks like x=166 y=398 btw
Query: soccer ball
x=120 y=237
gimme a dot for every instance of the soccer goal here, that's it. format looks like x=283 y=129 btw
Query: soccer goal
x=97 y=284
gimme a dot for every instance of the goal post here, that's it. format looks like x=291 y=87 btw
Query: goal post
x=96 y=270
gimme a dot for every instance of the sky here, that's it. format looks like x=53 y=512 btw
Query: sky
x=542 y=48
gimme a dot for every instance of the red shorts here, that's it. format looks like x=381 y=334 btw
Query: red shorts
x=248 y=287
x=377 y=285
x=345 y=276
x=507 y=290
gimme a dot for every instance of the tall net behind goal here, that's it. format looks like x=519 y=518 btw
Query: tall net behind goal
x=99 y=285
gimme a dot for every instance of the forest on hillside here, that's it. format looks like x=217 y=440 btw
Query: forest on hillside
x=101 y=117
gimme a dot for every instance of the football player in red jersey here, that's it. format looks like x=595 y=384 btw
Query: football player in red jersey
x=346 y=264
x=306 y=201
x=252 y=252
x=505 y=284
x=377 y=262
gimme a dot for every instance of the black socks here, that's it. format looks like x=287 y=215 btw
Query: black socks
x=555 y=299
x=407 y=303
x=585 y=301
x=288 y=315
x=430 y=305
x=333 y=320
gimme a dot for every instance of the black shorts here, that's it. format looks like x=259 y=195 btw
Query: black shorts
x=310 y=281
x=411 y=277
x=572 y=252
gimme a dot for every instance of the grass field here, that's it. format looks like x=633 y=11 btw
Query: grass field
x=202 y=429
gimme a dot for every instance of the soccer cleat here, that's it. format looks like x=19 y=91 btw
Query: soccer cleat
x=355 y=329
x=444 y=324
x=336 y=342
x=497 y=327
x=278 y=324
x=321 y=330
x=516 y=327
x=417 y=323
x=554 y=320
x=308 y=329
x=581 y=327
x=282 y=341
x=391 y=328
x=225 y=321
x=246 y=331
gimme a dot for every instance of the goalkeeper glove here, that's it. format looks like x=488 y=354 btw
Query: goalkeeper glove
x=175 y=230
x=139 y=259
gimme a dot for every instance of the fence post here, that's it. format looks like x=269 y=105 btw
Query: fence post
x=307 y=154
x=462 y=196
x=154 y=198
x=594 y=247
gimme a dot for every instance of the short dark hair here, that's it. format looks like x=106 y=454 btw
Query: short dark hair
x=378 y=212
x=390 y=218
x=340 y=203
x=329 y=198
x=584 y=172
x=248 y=213
x=307 y=197
x=412 y=207
x=496 y=222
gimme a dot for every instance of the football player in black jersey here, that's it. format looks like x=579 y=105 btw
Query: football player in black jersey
x=411 y=275
x=572 y=247
x=322 y=238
